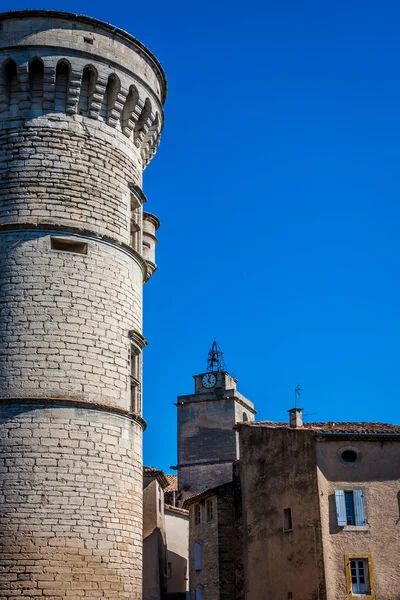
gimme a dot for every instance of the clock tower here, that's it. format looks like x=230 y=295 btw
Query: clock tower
x=207 y=442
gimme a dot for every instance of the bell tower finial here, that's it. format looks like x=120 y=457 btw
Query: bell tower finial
x=215 y=361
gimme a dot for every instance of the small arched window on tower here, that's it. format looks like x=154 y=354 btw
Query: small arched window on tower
x=11 y=84
x=109 y=98
x=88 y=84
x=144 y=115
x=137 y=343
x=245 y=418
x=129 y=107
x=62 y=84
x=36 y=81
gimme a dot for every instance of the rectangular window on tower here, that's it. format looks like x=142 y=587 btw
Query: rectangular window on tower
x=136 y=220
x=136 y=379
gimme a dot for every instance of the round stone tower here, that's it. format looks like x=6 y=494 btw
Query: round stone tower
x=80 y=118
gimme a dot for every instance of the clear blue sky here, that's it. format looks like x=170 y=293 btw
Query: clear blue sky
x=277 y=185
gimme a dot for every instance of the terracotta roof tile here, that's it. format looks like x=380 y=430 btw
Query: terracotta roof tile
x=172 y=483
x=333 y=426
x=157 y=474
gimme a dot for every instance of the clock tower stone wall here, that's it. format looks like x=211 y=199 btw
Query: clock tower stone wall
x=207 y=442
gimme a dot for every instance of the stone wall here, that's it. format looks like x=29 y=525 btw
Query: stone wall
x=66 y=317
x=71 y=503
x=80 y=118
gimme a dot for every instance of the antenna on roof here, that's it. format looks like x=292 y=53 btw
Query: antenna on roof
x=215 y=361
x=297 y=391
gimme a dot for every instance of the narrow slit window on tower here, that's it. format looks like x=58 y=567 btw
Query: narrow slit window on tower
x=109 y=98
x=129 y=107
x=62 y=84
x=36 y=82
x=11 y=84
x=87 y=88
x=68 y=245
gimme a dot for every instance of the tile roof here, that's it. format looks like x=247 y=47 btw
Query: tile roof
x=157 y=474
x=333 y=427
x=172 y=483
x=176 y=510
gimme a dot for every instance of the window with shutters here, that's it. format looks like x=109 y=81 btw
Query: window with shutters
x=197 y=557
x=350 y=509
x=359 y=576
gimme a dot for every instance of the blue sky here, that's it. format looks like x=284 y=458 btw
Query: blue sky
x=277 y=186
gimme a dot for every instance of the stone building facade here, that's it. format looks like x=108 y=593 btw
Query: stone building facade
x=215 y=543
x=313 y=515
x=81 y=112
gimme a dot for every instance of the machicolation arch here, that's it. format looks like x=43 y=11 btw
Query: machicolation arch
x=40 y=86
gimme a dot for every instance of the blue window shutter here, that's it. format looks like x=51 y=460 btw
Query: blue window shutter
x=198 y=594
x=197 y=557
x=359 y=507
x=340 y=508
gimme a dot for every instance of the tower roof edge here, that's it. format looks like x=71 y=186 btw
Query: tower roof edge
x=116 y=31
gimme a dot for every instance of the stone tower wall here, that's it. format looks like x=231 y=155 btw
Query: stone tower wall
x=80 y=118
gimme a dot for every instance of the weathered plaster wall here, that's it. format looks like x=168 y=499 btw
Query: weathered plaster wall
x=177 y=536
x=154 y=541
x=378 y=474
x=278 y=471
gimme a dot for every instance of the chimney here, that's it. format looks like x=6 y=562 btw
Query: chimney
x=296 y=418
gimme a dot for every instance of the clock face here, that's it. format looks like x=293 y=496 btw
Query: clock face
x=209 y=380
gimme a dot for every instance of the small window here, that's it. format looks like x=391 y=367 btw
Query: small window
x=287 y=519
x=197 y=514
x=136 y=378
x=350 y=508
x=68 y=245
x=198 y=594
x=197 y=557
x=136 y=222
x=210 y=510
x=358 y=575
x=349 y=456
x=245 y=417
